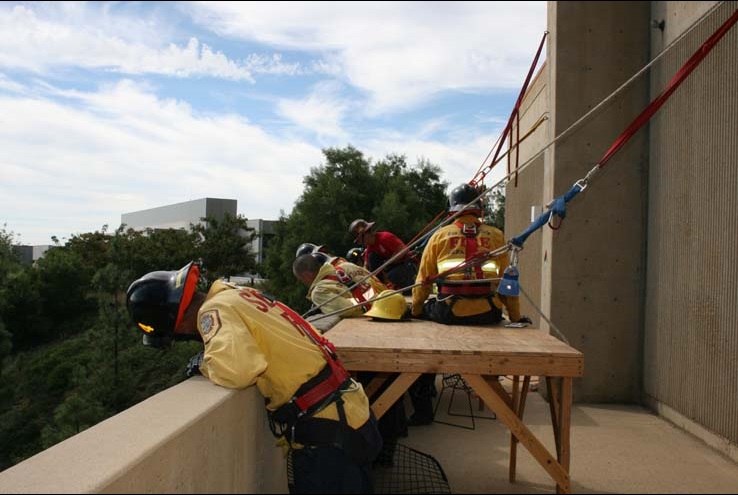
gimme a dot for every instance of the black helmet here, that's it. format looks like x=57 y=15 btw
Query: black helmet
x=462 y=196
x=355 y=256
x=157 y=301
x=307 y=248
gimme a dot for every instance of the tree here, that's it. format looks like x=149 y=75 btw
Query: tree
x=9 y=264
x=495 y=208
x=225 y=246
x=398 y=197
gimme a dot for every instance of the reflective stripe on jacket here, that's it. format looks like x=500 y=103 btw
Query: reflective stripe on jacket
x=446 y=249
x=328 y=284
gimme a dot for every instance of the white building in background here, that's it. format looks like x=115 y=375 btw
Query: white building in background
x=29 y=254
x=182 y=215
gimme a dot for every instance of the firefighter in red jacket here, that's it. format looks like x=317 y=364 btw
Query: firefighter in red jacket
x=250 y=339
x=380 y=247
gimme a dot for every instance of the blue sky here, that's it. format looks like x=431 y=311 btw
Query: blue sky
x=107 y=108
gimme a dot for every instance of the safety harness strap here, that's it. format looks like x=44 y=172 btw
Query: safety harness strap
x=316 y=395
x=462 y=290
x=470 y=231
x=343 y=278
x=312 y=395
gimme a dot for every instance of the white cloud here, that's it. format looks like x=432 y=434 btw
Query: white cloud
x=399 y=53
x=8 y=85
x=73 y=36
x=459 y=159
x=123 y=149
x=321 y=112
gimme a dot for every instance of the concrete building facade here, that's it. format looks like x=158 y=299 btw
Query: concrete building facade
x=642 y=275
x=182 y=215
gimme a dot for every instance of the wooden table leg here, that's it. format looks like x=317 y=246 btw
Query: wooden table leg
x=565 y=425
x=376 y=383
x=393 y=393
x=553 y=387
x=518 y=428
x=519 y=410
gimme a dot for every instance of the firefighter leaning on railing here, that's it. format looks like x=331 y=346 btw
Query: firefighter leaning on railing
x=314 y=407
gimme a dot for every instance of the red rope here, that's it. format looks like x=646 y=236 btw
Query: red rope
x=479 y=177
x=680 y=76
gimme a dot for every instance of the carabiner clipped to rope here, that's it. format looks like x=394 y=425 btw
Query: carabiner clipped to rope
x=509 y=284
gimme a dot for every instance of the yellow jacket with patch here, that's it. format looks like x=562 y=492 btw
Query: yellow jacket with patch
x=446 y=247
x=325 y=287
x=250 y=339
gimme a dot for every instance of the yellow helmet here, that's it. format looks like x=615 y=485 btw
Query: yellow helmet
x=389 y=308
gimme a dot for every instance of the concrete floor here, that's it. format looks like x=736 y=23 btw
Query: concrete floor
x=615 y=449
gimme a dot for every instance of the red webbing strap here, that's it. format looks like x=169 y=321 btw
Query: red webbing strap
x=338 y=373
x=316 y=394
x=680 y=76
x=356 y=292
x=480 y=175
x=471 y=247
x=466 y=290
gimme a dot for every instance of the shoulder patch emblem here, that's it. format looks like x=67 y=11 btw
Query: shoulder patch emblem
x=209 y=324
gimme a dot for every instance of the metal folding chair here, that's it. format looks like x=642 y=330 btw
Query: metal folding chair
x=456 y=383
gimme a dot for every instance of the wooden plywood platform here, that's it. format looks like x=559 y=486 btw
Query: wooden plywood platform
x=426 y=346
x=479 y=354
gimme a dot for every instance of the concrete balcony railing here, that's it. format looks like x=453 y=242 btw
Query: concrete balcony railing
x=192 y=438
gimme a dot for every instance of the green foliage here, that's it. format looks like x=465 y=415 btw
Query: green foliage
x=495 y=208
x=76 y=357
x=225 y=246
x=400 y=198
x=9 y=265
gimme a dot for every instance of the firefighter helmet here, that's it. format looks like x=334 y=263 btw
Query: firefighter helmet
x=392 y=307
x=464 y=195
x=321 y=256
x=157 y=302
x=355 y=256
x=309 y=248
x=358 y=227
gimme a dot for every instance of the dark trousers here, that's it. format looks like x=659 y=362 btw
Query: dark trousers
x=329 y=470
x=393 y=424
x=421 y=395
x=441 y=312
x=398 y=275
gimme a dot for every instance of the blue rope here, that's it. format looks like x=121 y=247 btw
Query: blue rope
x=557 y=207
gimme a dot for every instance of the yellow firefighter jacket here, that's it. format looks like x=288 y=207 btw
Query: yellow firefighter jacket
x=446 y=248
x=250 y=339
x=332 y=280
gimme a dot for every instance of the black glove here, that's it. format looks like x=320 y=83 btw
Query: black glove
x=193 y=367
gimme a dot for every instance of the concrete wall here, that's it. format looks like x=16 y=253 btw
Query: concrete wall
x=597 y=275
x=643 y=275
x=195 y=437
x=527 y=191
x=691 y=342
